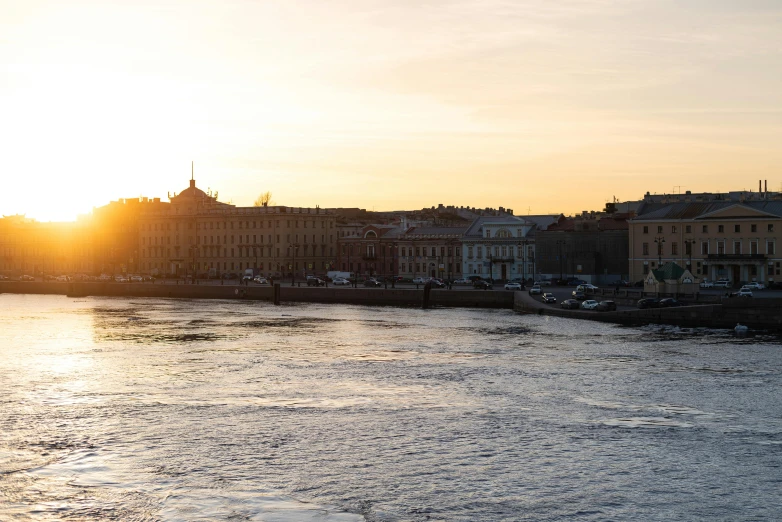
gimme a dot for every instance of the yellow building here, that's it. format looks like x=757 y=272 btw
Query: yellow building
x=30 y=247
x=195 y=232
x=726 y=237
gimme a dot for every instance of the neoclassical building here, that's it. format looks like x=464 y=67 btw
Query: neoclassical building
x=499 y=247
x=195 y=232
x=733 y=238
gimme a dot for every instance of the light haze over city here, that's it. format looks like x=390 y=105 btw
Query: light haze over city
x=536 y=106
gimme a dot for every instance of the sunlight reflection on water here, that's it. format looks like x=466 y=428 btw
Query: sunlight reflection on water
x=209 y=410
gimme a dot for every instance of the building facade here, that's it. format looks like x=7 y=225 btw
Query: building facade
x=196 y=234
x=499 y=248
x=431 y=251
x=719 y=238
x=40 y=249
x=368 y=251
x=593 y=248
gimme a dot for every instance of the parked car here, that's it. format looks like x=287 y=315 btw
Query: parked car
x=372 y=283
x=589 y=304
x=419 y=281
x=586 y=288
x=648 y=302
x=316 y=281
x=543 y=282
x=579 y=296
x=622 y=283
x=549 y=298
x=744 y=292
x=606 y=306
x=26 y=278
x=340 y=281
x=535 y=290
x=706 y=284
x=723 y=283
x=512 y=286
x=260 y=280
x=576 y=282
x=436 y=283
x=462 y=281
x=136 y=279
x=754 y=285
x=483 y=285
x=669 y=302
x=570 y=304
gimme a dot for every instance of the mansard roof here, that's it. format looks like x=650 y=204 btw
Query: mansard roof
x=706 y=210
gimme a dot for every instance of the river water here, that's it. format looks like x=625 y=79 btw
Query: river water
x=179 y=410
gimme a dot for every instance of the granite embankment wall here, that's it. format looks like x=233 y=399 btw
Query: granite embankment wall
x=360 y=296
x=755 y=313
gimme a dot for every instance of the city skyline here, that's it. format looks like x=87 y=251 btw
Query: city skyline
x=386 y=106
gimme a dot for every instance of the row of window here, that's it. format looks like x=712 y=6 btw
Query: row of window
x=211 y=239
x=230 y=224
x=705 y=228
x=213 y=251
x=721 y=248
x=242 y=266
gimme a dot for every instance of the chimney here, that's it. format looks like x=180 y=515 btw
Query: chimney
x=760 y=186
x=765 y=192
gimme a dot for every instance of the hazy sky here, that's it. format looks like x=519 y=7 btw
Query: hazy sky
x=551 y=106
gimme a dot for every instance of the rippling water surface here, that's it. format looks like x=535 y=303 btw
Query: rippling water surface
x=173 y=410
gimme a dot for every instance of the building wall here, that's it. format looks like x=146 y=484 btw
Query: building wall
x=599 y=256
x=275 y=240
x=29 y=247
x=738 y=248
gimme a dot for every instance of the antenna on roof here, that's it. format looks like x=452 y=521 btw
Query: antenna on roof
x=191 y=169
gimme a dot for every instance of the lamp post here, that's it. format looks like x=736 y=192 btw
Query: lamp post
x=689 y=243
x=659 y=240
x=295 y=247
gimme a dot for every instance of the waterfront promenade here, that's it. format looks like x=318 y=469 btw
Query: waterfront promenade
x=713 y=311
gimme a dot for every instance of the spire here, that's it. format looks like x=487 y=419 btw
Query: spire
x=192 y=179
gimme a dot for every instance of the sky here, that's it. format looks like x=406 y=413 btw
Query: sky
x=538 y=106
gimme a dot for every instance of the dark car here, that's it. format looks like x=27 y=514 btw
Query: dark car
x=648 y=302
x=315 y=281
x=549 y=298
x=606 y=306
x=436 y=283
x=579 y=295
x=372 y=283
x=669 y=302
x=570 y=304
x=480 y=283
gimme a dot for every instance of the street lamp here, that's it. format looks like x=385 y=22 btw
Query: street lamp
x=295 y=247
x=659 y=240
x=689 y=243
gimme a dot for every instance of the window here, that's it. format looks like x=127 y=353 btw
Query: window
x=704 y=248
x=688 y=229
x=736 y=228
x=674 y=248
x=659 y=229
x=720 y=247
x=688 y=248
x=705 y=229
x=646 y=249
x=753 y=228
x=753 y=247
x=770 y=247
x=737 y=247
x=646 y=230
x=673 y=229
x=771 y=227
x=720 y=229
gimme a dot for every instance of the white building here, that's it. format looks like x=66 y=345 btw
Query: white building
x=499 y=247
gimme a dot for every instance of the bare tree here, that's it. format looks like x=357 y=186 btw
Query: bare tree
x=264 y=200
